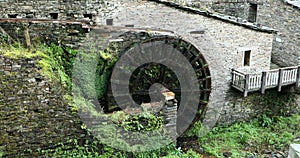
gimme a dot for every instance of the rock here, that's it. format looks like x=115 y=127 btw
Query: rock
x=279 y=155
x=227 y=154
x=265 y=156
x=201 y=150
x=250 y=156
x=74 y=31
x=32 y=80
x=294 y=151
x=266 y=151
x=15 y=67
x=297 y=140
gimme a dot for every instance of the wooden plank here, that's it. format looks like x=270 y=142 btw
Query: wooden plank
x=298 y=76
x=232 y=76
x=246 y=85
x=238 y=88
x=168 y=96
x=263 y=82
x=280 y=76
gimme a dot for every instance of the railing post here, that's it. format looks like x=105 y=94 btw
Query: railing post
x=232 y=76
x=280 y=75
x=263 y=82
x=246 y=85
x=298 y=76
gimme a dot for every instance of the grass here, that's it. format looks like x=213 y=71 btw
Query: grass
x=242 y=139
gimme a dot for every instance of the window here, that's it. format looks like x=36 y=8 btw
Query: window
x=89 y=16
x=247 y=57
x=109 y=22
x=12 y=15
x=54 y=15
x=252 y=12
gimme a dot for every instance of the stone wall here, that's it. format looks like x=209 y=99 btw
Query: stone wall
x=46 y=9
x=62 y=32
x=235 y=8
x=282 y=17
x=272 y=103
x=33 y=112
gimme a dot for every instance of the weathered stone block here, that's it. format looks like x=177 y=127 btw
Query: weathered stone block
x=15 y=67
x=294 y=151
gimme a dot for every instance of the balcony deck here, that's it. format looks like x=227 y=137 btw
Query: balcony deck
x=245 y=82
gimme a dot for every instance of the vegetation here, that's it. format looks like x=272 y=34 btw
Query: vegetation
x=55 y=61
x=92 y=69
x=91 y=150
x=240 y=140
x=248 y=138
x=145 y=121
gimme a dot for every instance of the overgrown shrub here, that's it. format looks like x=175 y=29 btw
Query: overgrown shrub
x=92 y=69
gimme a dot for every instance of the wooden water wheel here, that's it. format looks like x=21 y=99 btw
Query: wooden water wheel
x=147 y=74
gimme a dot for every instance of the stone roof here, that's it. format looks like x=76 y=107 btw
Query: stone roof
x=218 y=16
x=295 y=3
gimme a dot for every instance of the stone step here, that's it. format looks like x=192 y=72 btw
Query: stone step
x=294 y=151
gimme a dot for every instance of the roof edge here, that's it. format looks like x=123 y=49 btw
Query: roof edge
x=221 y=17
x=295 y=4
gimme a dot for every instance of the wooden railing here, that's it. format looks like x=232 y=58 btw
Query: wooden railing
x=245 y=82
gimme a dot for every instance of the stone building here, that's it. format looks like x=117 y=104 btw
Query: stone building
x=216 y=42
x=282 y=15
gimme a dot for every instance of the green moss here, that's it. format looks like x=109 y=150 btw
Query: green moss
x=144 y=121
x=54 y=61
x=86 y=106
x=19 y=52
x=92 y=69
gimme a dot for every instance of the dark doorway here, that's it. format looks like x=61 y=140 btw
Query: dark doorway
x=247 y=56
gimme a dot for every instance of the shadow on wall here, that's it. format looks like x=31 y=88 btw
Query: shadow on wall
x=272 y=103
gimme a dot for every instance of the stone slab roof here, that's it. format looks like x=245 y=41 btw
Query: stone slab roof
x=295 y=3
